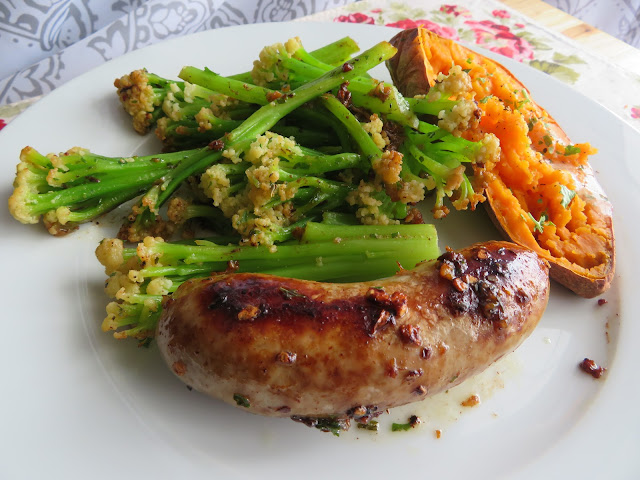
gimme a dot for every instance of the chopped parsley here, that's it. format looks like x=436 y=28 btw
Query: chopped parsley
x=538 y=225
x=335 y=426
x=571 y=150
x=522 y=102
x=547 y=140
x=485 y=99
x=567 y=196
x=403 y=427
x=532 y=122
x=400 y=427
x=466 y=70
x=241 y=400
x=324 y=424
x=371 y=426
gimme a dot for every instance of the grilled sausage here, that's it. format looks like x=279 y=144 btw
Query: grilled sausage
x=285 y=347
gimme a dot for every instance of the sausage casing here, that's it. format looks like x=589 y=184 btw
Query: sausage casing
x=285 y=347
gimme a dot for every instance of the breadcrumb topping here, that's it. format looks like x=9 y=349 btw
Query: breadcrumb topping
x=137 y=98
x=388 y=167
x=455 y=85
x=374 y=129
x=369 y=207
x=267 y=69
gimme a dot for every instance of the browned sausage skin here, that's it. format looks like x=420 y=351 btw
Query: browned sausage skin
x=284 y=347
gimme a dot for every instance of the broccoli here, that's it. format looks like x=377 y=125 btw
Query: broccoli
x=251 y=178
x=77 y=186
x=290 y=65
x=451 y=101
x=143 y=217
x=140 y=277
x=143 y=94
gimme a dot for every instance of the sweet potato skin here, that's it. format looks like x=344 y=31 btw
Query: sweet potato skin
x=586 y=265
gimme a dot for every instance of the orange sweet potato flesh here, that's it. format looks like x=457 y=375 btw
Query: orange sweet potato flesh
x=540 y=173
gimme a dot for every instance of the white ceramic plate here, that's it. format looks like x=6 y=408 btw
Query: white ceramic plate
x=75 y=402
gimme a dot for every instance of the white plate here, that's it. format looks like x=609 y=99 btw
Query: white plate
x=75 y=402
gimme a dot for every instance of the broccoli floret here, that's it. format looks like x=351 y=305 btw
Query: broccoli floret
x=141 y=94
x=141 y=220
x=451 y=101
x=77 y=186
x=437 y=158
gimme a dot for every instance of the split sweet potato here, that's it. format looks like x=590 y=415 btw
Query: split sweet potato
x=541 y=193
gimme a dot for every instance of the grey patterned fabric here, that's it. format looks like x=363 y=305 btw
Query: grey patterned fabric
x=44 y=43
x=620 y=18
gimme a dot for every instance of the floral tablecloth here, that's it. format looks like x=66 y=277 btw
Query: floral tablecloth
x=491 y=25
x=487 y=23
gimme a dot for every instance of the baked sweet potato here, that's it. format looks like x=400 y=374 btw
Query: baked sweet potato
x=541 y=193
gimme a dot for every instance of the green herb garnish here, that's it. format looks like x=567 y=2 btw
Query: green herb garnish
x=371 y=426
x=571 y=150
x=333 y=425
x=567 y=196
x=400 y=427
x=538 y=225
x=241 y=400
x=403 y=427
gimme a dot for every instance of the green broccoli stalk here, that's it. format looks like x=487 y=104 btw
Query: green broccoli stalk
x=360 y=137
x=437 y=158
x=335 y=54
x=143 y=94
x=291 y=65
x=77 y=186
x=139 y=277
x=142 y=220
x=425 y=106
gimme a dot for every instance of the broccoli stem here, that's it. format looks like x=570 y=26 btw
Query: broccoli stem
x=319 y=164
x=335 y=53
x=339 y=218
x=361 y=253
x=378 y=97
x=362 y=139
x=317 y=232
x=77 y=186
x=362 y=241
x=234 y=88
x=427 y=107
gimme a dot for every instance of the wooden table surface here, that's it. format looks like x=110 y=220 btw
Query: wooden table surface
x=593 y=40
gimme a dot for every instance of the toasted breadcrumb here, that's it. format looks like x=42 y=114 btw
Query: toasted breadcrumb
x=374 y=129
x=369 y=207
x=388 y=167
